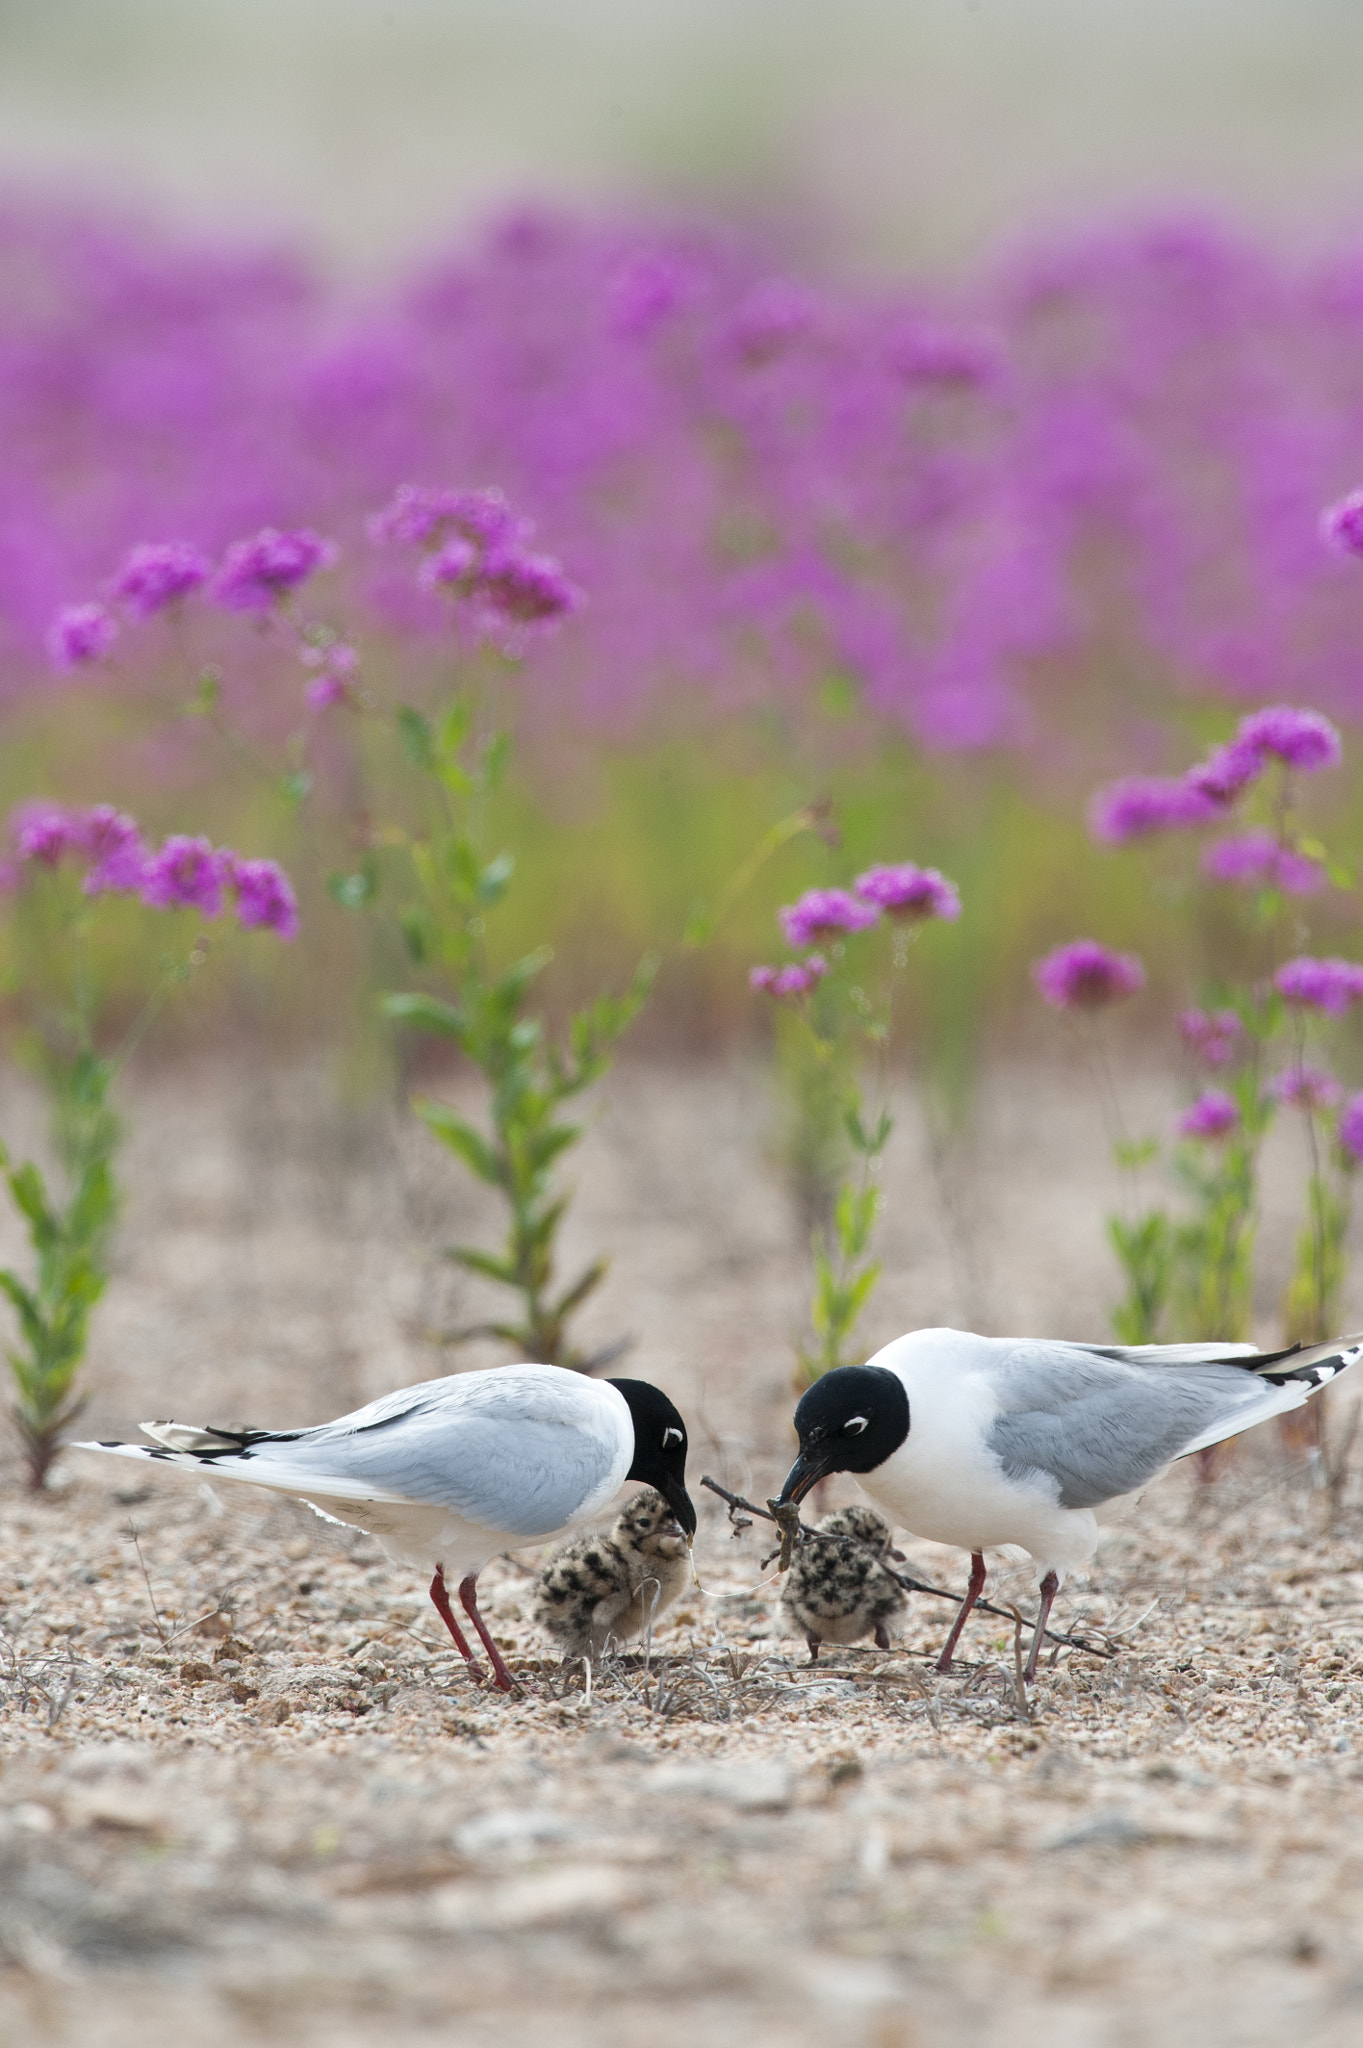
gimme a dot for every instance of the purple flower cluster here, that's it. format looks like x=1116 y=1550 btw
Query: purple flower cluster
x=1087 y=976
x=1305 y=1087
x=1341 y=525
x=824 y=914
x=1139 y=805
x=799 y=978
x=1216 y=1036
x=909 y=894
x=80 y=634
x=1254 y=859
x=1328 y=985
x=156 y=574
x=254 y=574
x=1349 y=1130
x=475 y=552
x=182 y=874
x=1214 y=1115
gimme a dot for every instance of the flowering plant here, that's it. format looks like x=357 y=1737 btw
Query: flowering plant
x=52 y=943
x=847 y=1027
x=1191 y=1275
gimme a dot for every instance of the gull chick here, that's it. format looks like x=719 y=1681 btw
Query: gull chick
x=454 y=1471
x=607 y=1588
x=837 y=1589
x=985 y=1442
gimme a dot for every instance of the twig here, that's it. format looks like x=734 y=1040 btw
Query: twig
x=736 y=1502
x=156 y=1612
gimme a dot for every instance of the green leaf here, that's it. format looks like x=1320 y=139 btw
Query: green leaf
x=453 y=729
x=417 y=934
x=495 y=878
x=584 y=1285
x=295 y=788
x=1135 y=1152
x=486 y=1263
x=356 y=891
x=425 y=1013
x=496 y=759
x=418 y=740
x=463 y=1140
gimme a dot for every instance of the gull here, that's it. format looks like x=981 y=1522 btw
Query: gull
x=992 y=1442
x=837 y=1589
x=454 y=1471
x=599 y=1589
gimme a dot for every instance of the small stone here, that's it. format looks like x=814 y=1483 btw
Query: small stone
x=195 y=1672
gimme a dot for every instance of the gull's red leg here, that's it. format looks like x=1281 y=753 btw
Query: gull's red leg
x=446 y=1613
x=468 y=1594
x=1050 y=1586
x=973 y=1593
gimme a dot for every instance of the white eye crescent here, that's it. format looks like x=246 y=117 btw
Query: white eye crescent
x=855 y=1426
x=672 y=1436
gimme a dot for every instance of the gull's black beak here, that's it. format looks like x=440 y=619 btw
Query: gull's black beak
x=680 y=1502
x=813 y=1464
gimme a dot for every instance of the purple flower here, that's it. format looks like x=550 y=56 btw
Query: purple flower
x=451 y=566
x=1302 y=739
x=45 y=831
x=1341 y=525
x=156 y=573
x=186 y=874
x=795 y=980
x=1303 y=1087
x=909 y=892
x=526 y=590
x=1349 y=1130
x=255 y=573
x=1329 y=985
x=1214 y=1035
x=1214 y=1115
x=824 y=913
x=1139 y=805
x=416 y=513
x=114 y=845
x=1086 y=976
x=265 y=898
x=338 y=663
x=1226 y=773
x=1254 y=859
x=424 y=514
x=775 y=314
x=80 y=633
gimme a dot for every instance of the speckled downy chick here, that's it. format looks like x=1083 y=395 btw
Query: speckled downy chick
x=609 y=1588
x=839 y=1591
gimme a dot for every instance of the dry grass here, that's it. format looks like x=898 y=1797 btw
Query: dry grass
x=248 y=1793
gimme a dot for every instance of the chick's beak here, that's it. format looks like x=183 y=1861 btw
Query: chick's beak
x=812 y=1465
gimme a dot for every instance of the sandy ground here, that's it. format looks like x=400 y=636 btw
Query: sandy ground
x=246 y=1793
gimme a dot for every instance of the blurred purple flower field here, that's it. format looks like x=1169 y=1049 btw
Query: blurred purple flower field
x=953 y=501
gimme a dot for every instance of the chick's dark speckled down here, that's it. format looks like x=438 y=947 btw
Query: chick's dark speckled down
x=602 y=1589
x=838 y=1590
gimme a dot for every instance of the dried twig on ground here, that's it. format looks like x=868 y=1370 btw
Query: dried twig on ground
x=799 y=1532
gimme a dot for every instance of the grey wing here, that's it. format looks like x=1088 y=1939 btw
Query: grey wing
x=1101 y=1426
x=525 y=1477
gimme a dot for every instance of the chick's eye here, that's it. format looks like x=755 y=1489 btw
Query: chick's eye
x=672 y=1436
x=855 y=1426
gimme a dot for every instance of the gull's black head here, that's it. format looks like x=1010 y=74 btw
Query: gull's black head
x=659 y=1447
x=851 y=1420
